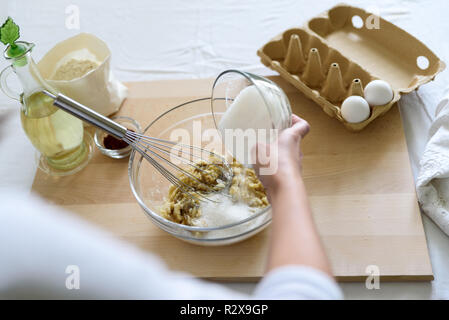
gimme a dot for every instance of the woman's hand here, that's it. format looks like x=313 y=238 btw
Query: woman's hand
x=281 y=160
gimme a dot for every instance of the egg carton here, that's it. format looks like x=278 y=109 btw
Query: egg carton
x=336 y=54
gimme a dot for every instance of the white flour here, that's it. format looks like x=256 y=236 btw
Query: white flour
x=247 y=111
x=75 y=65
x=73 y=69
x=222 y=213
x=242 y=121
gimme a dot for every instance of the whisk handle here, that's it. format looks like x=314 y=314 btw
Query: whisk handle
x=88 y=115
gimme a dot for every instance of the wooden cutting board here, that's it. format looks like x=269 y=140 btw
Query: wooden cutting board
x=360 y=186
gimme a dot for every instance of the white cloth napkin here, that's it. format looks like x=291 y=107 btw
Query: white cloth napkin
x=432 y=184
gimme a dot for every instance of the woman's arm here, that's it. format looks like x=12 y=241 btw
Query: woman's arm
x=294 y=240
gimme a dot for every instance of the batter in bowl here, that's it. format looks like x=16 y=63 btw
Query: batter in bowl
x=245 y=196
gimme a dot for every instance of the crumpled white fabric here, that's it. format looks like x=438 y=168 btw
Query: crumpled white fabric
x=432 y=184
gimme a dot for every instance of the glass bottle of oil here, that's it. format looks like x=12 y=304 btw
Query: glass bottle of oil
x=56 y=134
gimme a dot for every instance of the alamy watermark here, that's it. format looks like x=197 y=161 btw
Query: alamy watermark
x=373 y=280
x=72 y=281
x=370 y=22
x=72 y=20
x=240 y=143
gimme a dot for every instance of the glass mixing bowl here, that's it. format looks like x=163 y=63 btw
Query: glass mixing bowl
x=197 y=120
x=150 y=187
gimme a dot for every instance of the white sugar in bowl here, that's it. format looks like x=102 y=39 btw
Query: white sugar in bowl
x=378 y=93
x=355 y=109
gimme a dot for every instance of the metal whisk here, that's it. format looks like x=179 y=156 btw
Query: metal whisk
x=156 y=151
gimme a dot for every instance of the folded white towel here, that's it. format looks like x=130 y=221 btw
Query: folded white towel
x=432 y=184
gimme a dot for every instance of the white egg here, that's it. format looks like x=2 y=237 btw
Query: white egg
x=378 y=93
x=355 y=109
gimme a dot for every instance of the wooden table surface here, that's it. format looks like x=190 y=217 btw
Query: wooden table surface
x=360 y=186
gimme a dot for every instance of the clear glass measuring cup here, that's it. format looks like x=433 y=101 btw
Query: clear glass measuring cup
x=247 y=109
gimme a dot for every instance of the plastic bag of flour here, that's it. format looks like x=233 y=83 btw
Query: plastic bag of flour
x=79 y=67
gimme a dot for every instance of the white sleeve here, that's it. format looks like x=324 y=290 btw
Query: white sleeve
x=297 y=283
x=47 y=253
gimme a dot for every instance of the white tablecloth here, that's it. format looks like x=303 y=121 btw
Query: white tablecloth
x=193 y=39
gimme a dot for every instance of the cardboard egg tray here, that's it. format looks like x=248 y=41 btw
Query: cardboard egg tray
x=336 y=54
